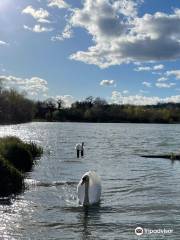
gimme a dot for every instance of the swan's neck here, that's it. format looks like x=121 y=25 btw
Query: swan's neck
x=86 y=196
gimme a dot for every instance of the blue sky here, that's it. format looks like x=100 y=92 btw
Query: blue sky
x=126 y=51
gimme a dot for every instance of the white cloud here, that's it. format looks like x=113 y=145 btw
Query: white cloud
x=176 y=73
x=38 y=28
x=118 y=98
x=67 y=99
x=147 y=84
x=37 y=14
x=157 y=73
x=58 y=3
x=41 y=16
x=162 y=79
x=32 y=86
x=158 y=67
x=107 y=83
x=119 y=39
x=140 y=69
x=66 y=34
x=2 y=43
x=127 y=7
x=43 y=20
x=148 y=68
x=164 y=85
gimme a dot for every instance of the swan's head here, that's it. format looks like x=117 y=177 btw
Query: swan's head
x=85 y=179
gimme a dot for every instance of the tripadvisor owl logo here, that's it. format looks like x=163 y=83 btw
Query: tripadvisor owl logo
x=139 y=231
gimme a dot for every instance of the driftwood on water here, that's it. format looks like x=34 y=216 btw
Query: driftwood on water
x=171 y=156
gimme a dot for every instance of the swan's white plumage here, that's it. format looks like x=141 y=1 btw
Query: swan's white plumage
x=94 y=188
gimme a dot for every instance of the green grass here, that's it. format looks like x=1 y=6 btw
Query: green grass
x=16 y=158
x=11 y=180
x=20 y=154
x=36 y=151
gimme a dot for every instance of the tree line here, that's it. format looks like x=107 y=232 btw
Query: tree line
x=17 y=108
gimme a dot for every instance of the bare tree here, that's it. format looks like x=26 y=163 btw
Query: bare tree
x=60 y=103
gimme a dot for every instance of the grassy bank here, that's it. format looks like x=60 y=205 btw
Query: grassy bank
x=16 y=158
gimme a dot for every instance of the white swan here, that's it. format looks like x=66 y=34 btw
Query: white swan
x=89 y=189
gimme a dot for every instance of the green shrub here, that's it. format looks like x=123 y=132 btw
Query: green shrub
x=18 y=155
x=35 y=150
x=9 y=140
x=11 y=180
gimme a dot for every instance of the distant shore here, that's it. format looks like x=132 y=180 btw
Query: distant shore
x=45 y=121
x=15 y=108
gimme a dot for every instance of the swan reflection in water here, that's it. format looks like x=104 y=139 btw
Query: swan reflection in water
x=89 y=216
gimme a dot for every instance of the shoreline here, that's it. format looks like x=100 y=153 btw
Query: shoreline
x=44 y=121
x=39 y=121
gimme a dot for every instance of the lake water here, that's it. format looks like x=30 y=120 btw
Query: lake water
x=135 y=191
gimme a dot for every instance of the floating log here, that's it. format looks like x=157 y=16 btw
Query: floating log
x=171 y=156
